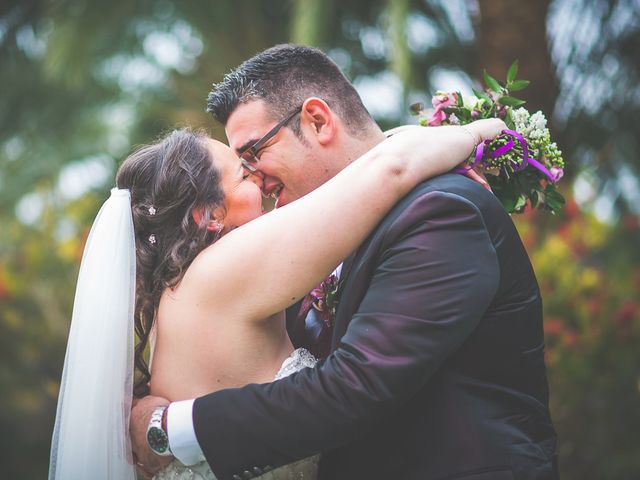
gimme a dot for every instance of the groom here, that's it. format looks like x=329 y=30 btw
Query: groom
x=437 y=366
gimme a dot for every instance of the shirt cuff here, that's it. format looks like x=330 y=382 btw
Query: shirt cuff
x=182 y=437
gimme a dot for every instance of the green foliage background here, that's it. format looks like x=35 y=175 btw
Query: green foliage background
x=82 y=81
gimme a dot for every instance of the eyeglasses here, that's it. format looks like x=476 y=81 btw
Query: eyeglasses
x=249 y=156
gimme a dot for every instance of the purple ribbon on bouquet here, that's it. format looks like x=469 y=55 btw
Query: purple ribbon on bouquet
x=526 y=159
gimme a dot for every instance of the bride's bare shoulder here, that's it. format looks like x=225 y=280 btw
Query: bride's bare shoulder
x=209 y=264
x=206 y=280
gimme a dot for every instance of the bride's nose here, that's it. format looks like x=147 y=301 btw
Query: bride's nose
x=257 y=177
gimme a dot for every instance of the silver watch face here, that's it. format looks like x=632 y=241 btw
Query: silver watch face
x=158 y=441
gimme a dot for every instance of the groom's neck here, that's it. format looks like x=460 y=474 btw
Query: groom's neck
x=356 y=147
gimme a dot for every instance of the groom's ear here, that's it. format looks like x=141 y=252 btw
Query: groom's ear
x=319 y=119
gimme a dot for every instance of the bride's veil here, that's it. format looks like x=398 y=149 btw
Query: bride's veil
x=91 y=434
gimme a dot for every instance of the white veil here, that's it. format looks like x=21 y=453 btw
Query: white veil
x=91 y=433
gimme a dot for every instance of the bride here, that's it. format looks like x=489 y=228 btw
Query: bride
x=183 y=254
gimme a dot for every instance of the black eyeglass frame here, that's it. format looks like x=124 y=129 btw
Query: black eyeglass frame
x=253 y=150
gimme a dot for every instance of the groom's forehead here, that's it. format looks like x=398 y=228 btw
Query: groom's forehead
x=247 y=124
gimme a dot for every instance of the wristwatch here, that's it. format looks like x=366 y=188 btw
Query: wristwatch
x=157 y=438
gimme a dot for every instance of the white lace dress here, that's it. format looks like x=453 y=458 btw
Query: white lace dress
x=306 y=469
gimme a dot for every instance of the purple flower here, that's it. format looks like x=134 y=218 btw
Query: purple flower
x=557 y=173
x=324 y=296
x=318 y=292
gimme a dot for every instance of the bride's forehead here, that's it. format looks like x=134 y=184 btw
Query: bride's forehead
x=222 y=156
x=216 y=147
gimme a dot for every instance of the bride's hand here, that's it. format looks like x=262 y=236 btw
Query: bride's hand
x=418 y=153
x=480 y=130
x=147 y=462
x=486 y=129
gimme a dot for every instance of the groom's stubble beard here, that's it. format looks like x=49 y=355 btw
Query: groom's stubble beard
x=351 y=149
x=334 y=161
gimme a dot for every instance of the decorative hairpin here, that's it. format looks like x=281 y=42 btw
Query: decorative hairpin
x=152 y=210
x=152 y=239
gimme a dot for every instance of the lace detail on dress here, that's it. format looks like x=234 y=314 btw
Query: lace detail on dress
x=305 y=469
x=177 y=471
x=299 y=359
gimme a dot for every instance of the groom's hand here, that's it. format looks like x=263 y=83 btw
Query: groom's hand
x=147 y=462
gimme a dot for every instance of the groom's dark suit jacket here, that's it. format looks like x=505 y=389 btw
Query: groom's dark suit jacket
x=437 y=370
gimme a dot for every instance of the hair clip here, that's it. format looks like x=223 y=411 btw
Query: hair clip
x=152 y=239
x=152 y=210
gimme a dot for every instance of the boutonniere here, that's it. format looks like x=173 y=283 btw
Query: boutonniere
x=325 y=299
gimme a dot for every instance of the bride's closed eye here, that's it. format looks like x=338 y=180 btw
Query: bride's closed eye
x=244 y=173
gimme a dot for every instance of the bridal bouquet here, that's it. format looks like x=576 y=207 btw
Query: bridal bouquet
x=523 y=164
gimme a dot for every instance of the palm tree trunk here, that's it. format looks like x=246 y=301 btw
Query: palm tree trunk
x=510 y=30
x=308 y=21
x=400 y=59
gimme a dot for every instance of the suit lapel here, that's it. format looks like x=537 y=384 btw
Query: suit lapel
x=347 y=268
x=354 y=281
x=295 y=326
x=347 y=265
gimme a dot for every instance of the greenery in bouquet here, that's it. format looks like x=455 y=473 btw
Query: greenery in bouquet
x=522 y=164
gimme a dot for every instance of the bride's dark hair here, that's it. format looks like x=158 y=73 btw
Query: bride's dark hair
x=167 y=181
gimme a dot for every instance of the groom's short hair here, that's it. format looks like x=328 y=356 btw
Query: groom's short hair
x=284 y=76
